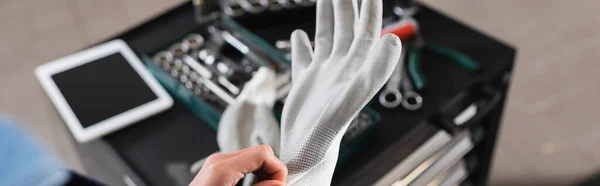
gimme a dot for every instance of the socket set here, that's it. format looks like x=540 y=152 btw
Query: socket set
x=208 y=68
x=212 y=77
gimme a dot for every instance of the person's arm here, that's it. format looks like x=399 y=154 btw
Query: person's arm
x=25 y=161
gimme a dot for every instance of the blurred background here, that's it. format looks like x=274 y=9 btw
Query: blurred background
x=549 y=131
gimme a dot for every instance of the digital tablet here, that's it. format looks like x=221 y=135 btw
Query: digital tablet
x=102 y=89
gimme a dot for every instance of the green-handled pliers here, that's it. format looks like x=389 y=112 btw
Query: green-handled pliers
x=414 y=59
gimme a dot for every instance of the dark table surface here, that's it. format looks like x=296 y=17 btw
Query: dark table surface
x=179 y=137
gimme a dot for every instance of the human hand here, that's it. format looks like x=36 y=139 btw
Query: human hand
x=349 y=65
x=228 y=169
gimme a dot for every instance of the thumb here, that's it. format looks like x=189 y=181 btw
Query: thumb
x=259 y=158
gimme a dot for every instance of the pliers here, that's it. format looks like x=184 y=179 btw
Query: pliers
x=414 y=59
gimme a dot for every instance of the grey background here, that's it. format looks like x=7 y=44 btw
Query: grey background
x=549 y=131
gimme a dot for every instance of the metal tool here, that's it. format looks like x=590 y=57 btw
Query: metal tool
x=255 y=6
x=209 y=91
x=188 y=80
x=207 y=56
x=166 y=66
x=205 y=73
x=174 y=73
x=189 y=85
x=390 y=96
x=466 y=115
x=183 y=78
x=193 y=41
x=228 y=85
x=412 y=100
x=185 y=70
x=163 y=57
x=275 y=5
x=177 y=64
x=223 y=68
x=200 y=89
x=234 y=9
x=179 y=49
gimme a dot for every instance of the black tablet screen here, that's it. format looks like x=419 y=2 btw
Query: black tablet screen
x=102 y=89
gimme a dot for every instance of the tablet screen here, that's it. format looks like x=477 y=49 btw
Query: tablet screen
x=103 y=88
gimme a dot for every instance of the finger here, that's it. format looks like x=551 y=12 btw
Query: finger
x=301 y=53
x=324 y=30
x=258 y=158
x=378 y=68
x=345 y=13
x=222 y=156
x=369 y=26
x=368 y=80
x=270 y=183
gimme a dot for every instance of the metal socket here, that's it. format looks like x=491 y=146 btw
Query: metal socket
x=163 y=57
x=179 y=49
x=234 y=9
x=255 y=6
x=194 y=41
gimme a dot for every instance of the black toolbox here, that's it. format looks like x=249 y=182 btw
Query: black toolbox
x=152 y=147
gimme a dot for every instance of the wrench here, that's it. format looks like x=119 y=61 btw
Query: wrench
x=391 y=97
x=412 y=100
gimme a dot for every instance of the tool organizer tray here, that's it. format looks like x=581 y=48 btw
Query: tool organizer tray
x=178 y=136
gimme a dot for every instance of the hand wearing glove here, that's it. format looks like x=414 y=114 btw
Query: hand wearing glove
x=350 y=64
x=249 y=121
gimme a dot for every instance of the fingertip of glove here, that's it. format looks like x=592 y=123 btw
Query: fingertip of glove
x=299 y=33
x=391 y=40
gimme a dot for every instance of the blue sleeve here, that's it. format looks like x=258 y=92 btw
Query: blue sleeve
x=25 y=162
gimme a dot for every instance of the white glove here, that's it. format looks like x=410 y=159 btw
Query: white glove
x=249 y=120
x=349 y=66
